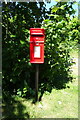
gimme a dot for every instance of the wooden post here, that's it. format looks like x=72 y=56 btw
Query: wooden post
x=36 y=82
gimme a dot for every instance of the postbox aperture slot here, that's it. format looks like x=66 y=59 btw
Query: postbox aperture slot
x=38 y=35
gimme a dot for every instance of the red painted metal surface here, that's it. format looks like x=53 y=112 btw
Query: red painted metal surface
x=37 y=36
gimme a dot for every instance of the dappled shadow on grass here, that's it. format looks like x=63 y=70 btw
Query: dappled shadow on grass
x=13 y=109
x=49 y=87
x=53 y=78
x=57 y=80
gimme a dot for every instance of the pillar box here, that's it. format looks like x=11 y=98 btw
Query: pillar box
x=37 y=36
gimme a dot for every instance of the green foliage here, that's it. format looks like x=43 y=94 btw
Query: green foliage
x=18 y=18
x=60 y=28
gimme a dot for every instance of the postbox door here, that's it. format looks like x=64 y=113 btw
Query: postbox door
x=37 y=53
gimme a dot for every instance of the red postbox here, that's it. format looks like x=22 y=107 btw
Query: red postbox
x=37 y=36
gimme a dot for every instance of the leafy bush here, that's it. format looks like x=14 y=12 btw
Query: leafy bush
x=17 y=19
x=61 y=34
x=18 y=72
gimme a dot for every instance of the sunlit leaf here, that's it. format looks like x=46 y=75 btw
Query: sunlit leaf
x=54 y=9
x=12 y=36
x=22 y=42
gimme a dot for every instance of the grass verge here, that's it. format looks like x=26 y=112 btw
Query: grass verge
x=57 y=104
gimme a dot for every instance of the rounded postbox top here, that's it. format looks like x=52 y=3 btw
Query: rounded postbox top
x=37 y=31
